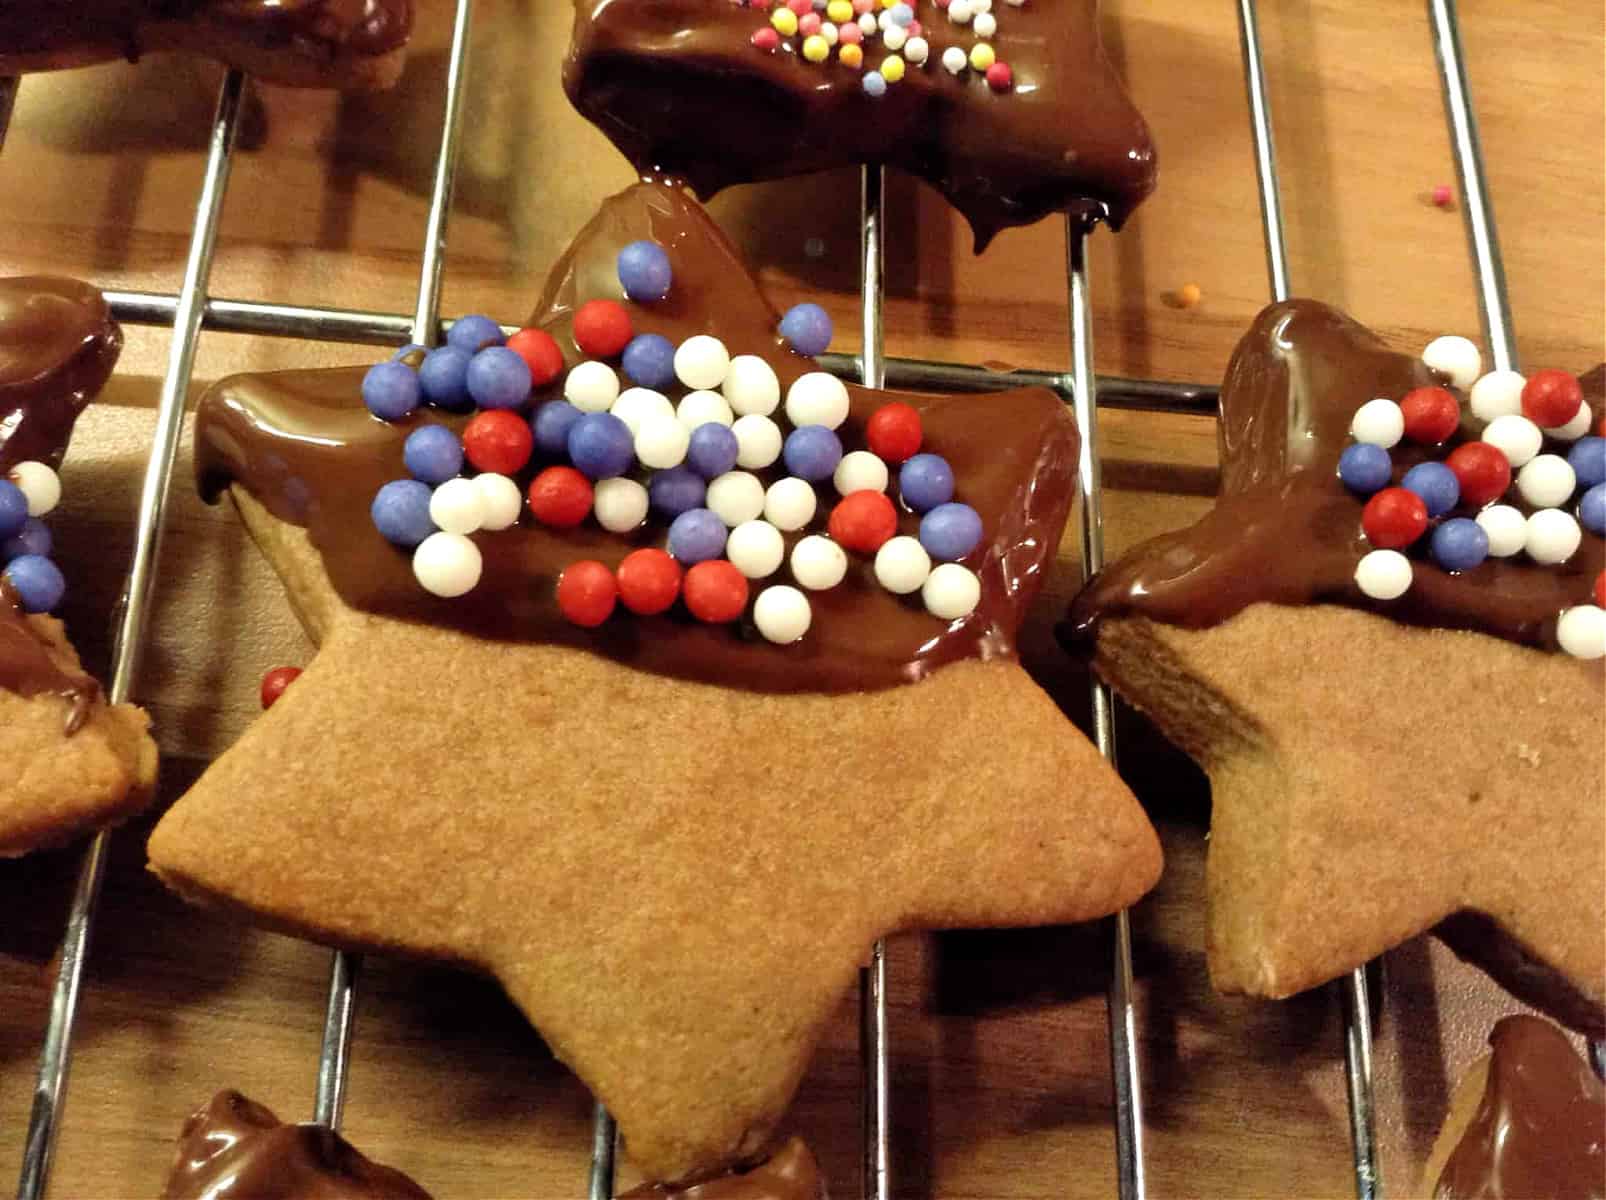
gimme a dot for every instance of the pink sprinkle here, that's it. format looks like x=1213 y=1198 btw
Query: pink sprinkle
x=863 y=6
x=999 y=77
x=913 y=29
x=808 y=23
x=943 y=3
x=849 y=33
x=1442 y=195
x=800 y=6
x=766 y=38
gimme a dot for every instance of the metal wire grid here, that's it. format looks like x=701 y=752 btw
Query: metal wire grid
x=192 y=309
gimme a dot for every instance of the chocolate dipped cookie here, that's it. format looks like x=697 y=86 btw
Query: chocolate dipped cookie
x=597 y=712
x=352 y=45
x=1011 y=113
x=1383 y=645
x=69 y=761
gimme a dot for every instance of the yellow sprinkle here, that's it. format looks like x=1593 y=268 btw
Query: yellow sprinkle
x=888 y=3
x=785 y=21
x=851 y=55
x=982 y=56
x=1189 y=295
x=892 y=68
x=839 y=11
x=816 y=49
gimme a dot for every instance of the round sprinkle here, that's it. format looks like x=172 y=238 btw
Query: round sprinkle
x=636 y=404
x=644 y=272
x=1506 y=529
x=736 y=496
x=675 y=491
x=1497 y=394
x=457 y=507
x=1459 y=544
x=716 y=592
x=649 y=581
x=807 y=327
x=951 y=591
x=1436 y=484
x=1442 y=195
x=1189 y=295
x=620 y=505
x=701 y=362
x=874 y=85
x=863 y=522
x=1551 y=398
x=893 y=432
x=38 y=582
x=552 y=422
x=702 y=408
x=1516 y=437
x=982 y=57
x=602 y=328
x=1553 y=536
x=649 y=361
x=540 y=352
x=950 y=531
x=926 y=481
x=697 y=535
x=758 y=441
x=1455 y=357
x=662 y=441
x=39 y=484
x=916 y=51
x=496 y=440
x=498 y=378
x=1547 y=481
x=782 y=614
x=714 y=449
x=892 y=66
x=1574 y=429
x=400 y=512
x=33 y=538
x=1378 y=423
x=818 y=563
x=812 y=452
x=443 y=377
x=473 y=333
x=902 y=565
x=391 y=390
x=600 y=445
x=433 y=454
x=1592 y=510
x=751 y=386
x=1001 y=77
x=501 y=500
x=817 y=399
x=1431 y=415
x=587 y=592
x=560 y=497
x=790 y=503
x=1384 y=575
x=1365 y=468
x=816 y=49
x=13 y=509
x=1581 y=630
x=1394 y=518
x=591 y=387
x=755 y=549
x=447 y=564
x=1588 y=460
x=1483 y=472
x=860 y=471
x=274 y=683
x=954 y=60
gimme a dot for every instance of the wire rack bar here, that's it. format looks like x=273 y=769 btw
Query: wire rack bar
x=604 y=1148
x=1354 y=990
x=134 y=613
x=876 y=1095
x=1124 y=1066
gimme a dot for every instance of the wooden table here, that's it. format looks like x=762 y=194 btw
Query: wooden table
x=1001 y=1078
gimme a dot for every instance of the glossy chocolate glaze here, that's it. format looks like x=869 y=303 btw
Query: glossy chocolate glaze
x=302 y=443
x=1540 y=1130
x=58 y=345
x=1286 y=531
x=680 y=90
x=35 y=32
x=234 y=1149
x=790 y=1174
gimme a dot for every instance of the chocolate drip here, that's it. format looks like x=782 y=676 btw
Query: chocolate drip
x=58 y=345
x=1286 y=531
x=678 y=87
x=302 y=443
x=790 y=1174
x=1540 y=1129
x=235 y=1149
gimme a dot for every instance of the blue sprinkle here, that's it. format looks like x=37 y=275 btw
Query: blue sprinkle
x=1459 y=544
x=473 y=334
x=926 y=481
x=712 y=450
x=37 y=581
x=1365 y=468
x=808 y=328
x=401 y=512
x=498 y=378
x=697 y=535
x=433 y=454
x=812 y=452
x=644 y=272
x=13 y=509
x=901 y=14
x=600 y=446
x=1436 y=484
x=649 y=361
x=875 y=85
x=443 y=375
x=675 y=491
x=1587 y=458
x=551 y=425
x=1592 y=510
x=391 y=390
x=33 y=538
x=950 y=531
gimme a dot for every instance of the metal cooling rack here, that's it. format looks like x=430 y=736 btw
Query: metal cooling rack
x=192 y=309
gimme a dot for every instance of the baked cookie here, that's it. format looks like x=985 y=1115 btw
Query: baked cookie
x=1011 y=113
x=670 y=828
x=789 y=1174
x=68 y=761
x=1529 y=1120
x=353 y=45
x=1394 y=740
x=235 y=1149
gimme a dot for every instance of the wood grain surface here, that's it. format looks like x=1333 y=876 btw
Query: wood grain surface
x=1001 y=1083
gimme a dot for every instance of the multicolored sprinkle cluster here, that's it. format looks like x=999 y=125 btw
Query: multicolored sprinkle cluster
x=622 y=456
x=822 y=31
x=1451 y=510
x=29 y=492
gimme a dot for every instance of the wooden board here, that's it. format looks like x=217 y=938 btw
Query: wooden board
x=1001 y=1077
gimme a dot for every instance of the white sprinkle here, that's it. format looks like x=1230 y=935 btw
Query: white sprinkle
x=702 y=408
x=447 y=564
x=782 y=614
x=1506 y=528
x=457 y=507
x=790 y=503
x=751 y=386
x=860 y=471
x=1553 y=536
x=39 y=485
x=735 y=496
x=818 y=563
x=591 y=387
x=702 y=362
x=755 y=548
x=951 y=591
x=1379 y=423
x=1497 y=394
x=620 y=505
x=1384 y=574
x=758 y=441
x=1582 y=631
x=503 y=500
x=1456 y=357
x=1547 y=481
x=1516 y=437
x=902 y=565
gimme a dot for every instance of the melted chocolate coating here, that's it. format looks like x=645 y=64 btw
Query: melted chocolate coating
x=790 y=1174
x=42 y=34
x=680 y=90
x=1540 y=1129
x=302 y=443
x=235 y=1149
x=58 y=345
x=1285 y=530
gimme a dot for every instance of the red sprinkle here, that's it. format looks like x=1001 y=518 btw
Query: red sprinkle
x=1551 y=398
x=560 y=497
x=1483 y=472
x=1442 y=195
x=766 y=38
x=1394 y=518
x=999 y=77
x=274 y=683
x=864 y=521
x=649 y=581
x=499 y=440
x=1600 y=589
x=716 y=591
x=1432 y=414
x=602 y=328
x=894 y=432
x=540 y=353
x=586 y=593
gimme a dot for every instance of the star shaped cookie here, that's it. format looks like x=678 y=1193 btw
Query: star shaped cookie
x=1380 y=768
x=671 y=842
x=1027 y=120
x=68 y=761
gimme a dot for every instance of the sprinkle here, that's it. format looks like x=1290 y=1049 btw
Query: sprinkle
x=645 y=272
x=736 y=496
x=926 y=481
x=808 y=328
x=1483 y=472
x=1551 y=398
x=758 y=442
x=954 y=60
x=917 y=50
x=1455 y=357
x=620 y=505
x=498 y=378
x=782 y=614
x=1497 y=394
x=1459 y=544
x=391 y=391
x=785 y=21
x=443 y=376
x=587 y=592
x=602 y=328
x=1547 y=481
x=893 y=432
x=812 y=452
x=751 y=385
x=756 y=549
x=860 y=471
x=701 y=362
x=766 y=39
x=984 y=24
x=1000 y=77
x=662 y=441
x=474 y=333
x=400 y=511
x=863 y=522
x=818 y=563
x=494 y=440
x=1379 y=423
x=1553 y=536
x=950 y=531
x=705 y=408
x=560 y=497
x=677 y=490
x=447 y=565
x=1442 y=195
x=716 y=592
x=714 y=449
x=1436 y=484
x=951 y=591
x=875 y=85
x=817 y=399
x=1365 y=468
x=649 y=581
x=816 y=49
x=790 y=503
x=902 y=565
x=591 y=387
x=40 y=486
x=851 y=55
x=1506 y=528
x=982 y=56
x=38 y=582
x=636 y=404
x=540 y=352
x=839 y=11
x=551 y=423
x=1582 y=631
x=502 y=500
x=892 y=68
x=697 y=535
x=457 y=507
x=600 y=445
x=1515 y=436
x=1394 y=518
x=1189 y=295
x=1383 y=574
x=1431 y=415
x=1592 y=510
x=274 y=683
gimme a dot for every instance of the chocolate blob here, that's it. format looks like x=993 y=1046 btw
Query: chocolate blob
x=235 y=1149
x=790 y=1174
x=1540 y=1129
x=680 y=89
x=1285 y=530
x=303 y=444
